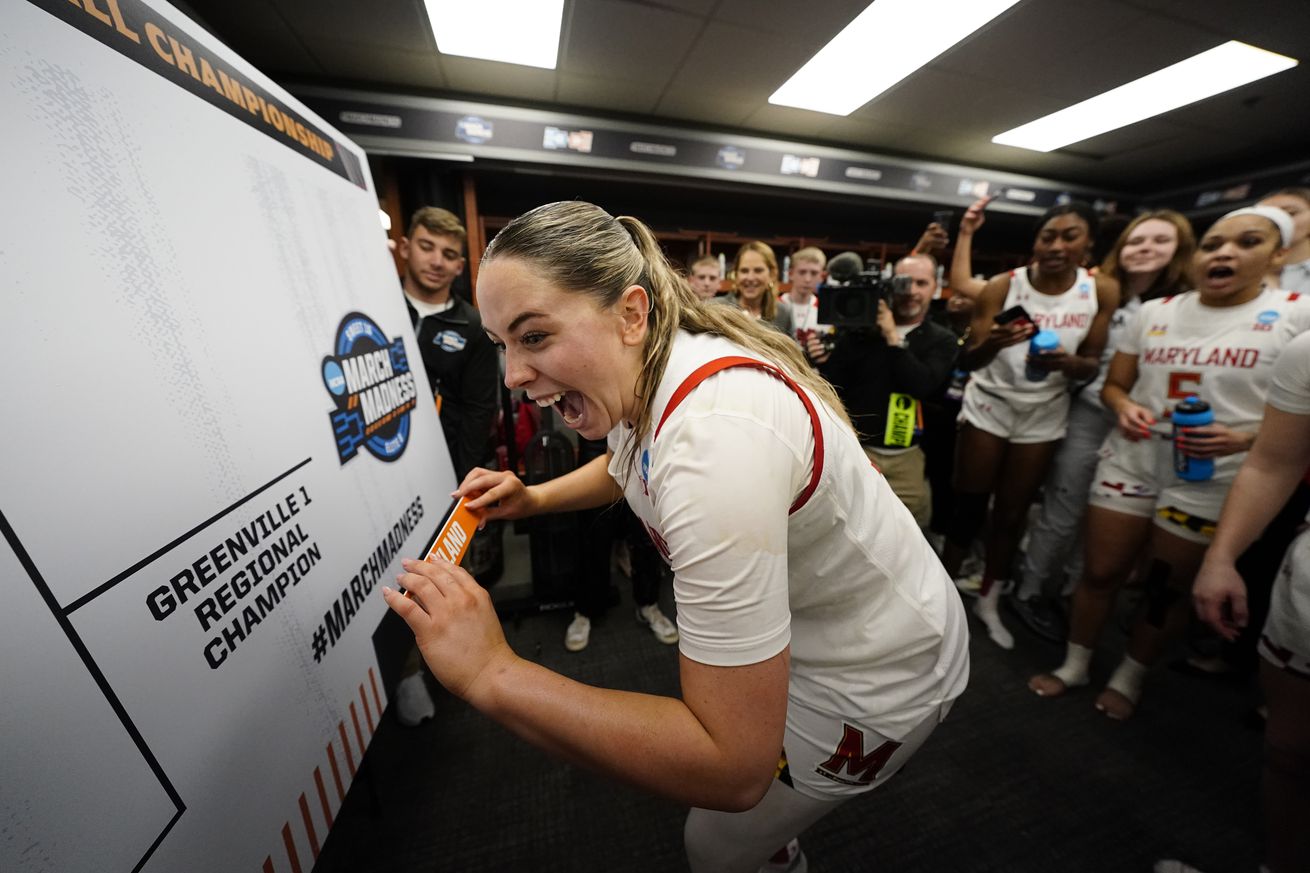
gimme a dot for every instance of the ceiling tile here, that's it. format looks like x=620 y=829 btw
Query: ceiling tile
x=737 y=63
x=696 y=7
x=257 y=32
x=786 y=120
x=639 y=43
x=366 y=62
x=707 y=108
x=811 y=24
x=619 y=95
x=474 y=76
x=1029 y=47
x=401 y=24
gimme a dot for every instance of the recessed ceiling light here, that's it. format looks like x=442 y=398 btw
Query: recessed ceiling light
x=885 y=43
x=1212 y=72
x=510 y=31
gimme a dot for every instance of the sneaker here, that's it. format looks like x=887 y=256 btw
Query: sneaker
x=969 y=585
x=413 y=702
x=663 y=629
x=578 y=634
x=1042 y=616
x=788 y=859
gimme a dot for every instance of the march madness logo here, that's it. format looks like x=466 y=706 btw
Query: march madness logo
x=369 y=379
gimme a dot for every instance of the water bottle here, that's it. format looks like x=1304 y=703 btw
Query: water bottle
x=1192 y=412
x=1043 y=341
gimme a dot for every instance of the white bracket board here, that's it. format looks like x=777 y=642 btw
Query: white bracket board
x=214 y=450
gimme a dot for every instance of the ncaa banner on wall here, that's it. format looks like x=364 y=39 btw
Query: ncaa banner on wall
x=216 y=447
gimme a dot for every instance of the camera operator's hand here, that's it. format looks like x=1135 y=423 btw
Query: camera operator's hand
x=815 y=349
x=887 y=324
x=935 y=239
x=974 y=217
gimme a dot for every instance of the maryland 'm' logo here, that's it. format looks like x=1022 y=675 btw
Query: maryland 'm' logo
x=860 y=769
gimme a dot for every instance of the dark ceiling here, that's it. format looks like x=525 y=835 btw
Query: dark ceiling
x=713 y=64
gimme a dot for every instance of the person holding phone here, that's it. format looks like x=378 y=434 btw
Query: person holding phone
x=814 y=619
x=1016 y=406
x=1219 y=343
x=1150 y=259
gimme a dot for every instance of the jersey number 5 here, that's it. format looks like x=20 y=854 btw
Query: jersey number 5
x=1183 y=384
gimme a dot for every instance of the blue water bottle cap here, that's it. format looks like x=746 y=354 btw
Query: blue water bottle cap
x=1044 y=341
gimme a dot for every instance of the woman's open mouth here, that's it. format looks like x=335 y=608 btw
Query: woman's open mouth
x=569 y=404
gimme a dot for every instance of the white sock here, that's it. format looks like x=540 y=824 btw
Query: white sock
x=1128 y=678
x=986 y=609
x=1074 y=671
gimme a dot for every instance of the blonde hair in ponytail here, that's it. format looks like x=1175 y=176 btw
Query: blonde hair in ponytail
x=579 y=247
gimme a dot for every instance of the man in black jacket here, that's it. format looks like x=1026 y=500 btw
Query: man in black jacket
x=884 y=373
x=462 y=368
x=459 y=358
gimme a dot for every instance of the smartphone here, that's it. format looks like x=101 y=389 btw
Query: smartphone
x=944 y=217
x=1014 y=313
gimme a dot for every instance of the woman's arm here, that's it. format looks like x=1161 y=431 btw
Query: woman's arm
x=716 y=748
x=721 y=485
x=961 y=273
x=501 y=494
x=1276 y=463
x=986 y=338
x=1134 y=421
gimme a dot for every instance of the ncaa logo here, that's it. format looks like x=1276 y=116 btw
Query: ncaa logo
x=1265 y=320
x=367 y=376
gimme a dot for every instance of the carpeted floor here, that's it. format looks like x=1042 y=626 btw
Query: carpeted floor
x=1010 y=783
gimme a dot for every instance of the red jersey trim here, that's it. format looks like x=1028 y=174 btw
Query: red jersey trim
x=706 y=370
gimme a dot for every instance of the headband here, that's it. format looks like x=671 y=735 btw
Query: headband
x=1280 y=218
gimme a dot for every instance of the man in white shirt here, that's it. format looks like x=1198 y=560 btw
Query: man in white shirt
x=807 y=271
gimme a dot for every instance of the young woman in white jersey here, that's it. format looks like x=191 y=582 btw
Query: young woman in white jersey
x=814 y=618
x=1150 y=259
x=1277 y=462
x=1218 y=343
x=1011 y=424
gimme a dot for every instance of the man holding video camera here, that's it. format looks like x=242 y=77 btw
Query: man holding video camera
x=885 y=358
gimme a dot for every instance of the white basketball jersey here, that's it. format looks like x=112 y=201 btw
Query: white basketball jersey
x=1223 y=354
x=877 y=632
x=1069 y=315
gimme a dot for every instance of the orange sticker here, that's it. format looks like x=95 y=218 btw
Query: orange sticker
x=453 y=540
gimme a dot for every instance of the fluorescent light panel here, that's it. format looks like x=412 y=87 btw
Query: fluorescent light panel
x=885 y=43
x=1212 y=72
x=522 y=32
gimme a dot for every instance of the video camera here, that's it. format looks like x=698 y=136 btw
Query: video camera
x=849 y=299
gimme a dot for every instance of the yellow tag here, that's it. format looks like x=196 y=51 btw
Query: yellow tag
x=901 y=410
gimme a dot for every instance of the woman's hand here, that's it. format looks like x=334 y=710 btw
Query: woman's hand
x=1003 y=336
x=1218 y=585
x=1212 y=441
x=934 y=239
x=454 y=624
x=498 y=494
x=974 y=217
x=1135 y=422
